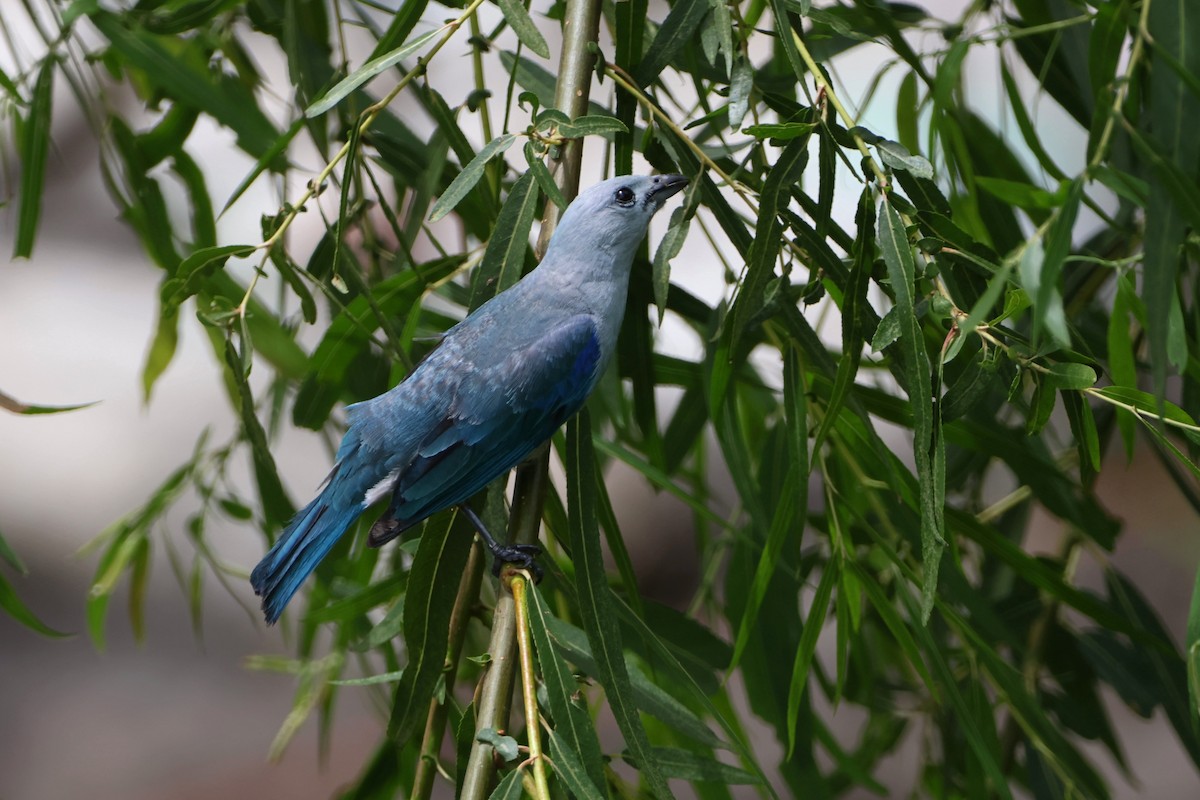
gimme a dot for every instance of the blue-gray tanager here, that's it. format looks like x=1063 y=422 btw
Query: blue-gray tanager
x=498 y=385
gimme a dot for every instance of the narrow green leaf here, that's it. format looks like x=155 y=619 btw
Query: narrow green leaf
x=813 y=625
x=649 y=696
x=522 y=25
x=782 y=524
x=689 y=766
x=9 y=556
x=269 y=158
x=504 y=259
x=188 y=80
x=669 y=247
x=368 y=71
x=510 y=787
x=1021 y=194
x=896 y=156
x=856 y=310
x=193 y=271
x=781 y=131
x=760 y=263
x=570 y=770
x=572 y=724
x=16 y=609
x=1048 y=304
x=676 y=32
x=1070 y=376
x=591 y=124
x=740 y=84
x=277 y=508
x=784 y=34
x=11 y=404
x=373 y=680
x=436 y=573
x=596 y=609
x=1083 y=428
x=406 y=17
x=161 y=350
x=465 y=181
x=545 y=180
x=1173 y=118
x=897 y=254
x=35 y=147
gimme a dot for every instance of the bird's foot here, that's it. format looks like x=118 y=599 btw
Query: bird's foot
x=520 y=556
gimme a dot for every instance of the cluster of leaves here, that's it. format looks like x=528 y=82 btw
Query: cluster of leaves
x=970 y=302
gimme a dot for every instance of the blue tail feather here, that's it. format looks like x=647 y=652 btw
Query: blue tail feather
x=309 y=537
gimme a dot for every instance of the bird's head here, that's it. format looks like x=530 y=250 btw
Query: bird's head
x=615 y=213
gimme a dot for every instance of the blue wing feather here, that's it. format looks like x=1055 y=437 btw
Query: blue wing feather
x=499 y=416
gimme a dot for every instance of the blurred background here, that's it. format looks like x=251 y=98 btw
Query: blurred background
x=180 y=715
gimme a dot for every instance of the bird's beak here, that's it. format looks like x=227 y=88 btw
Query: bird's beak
x=667 y=185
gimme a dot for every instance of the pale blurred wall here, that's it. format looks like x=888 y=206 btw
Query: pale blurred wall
x=181 y=718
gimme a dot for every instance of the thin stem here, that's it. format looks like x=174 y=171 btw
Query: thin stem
x=518 y=583
x=1135 y=57
x=846 y=116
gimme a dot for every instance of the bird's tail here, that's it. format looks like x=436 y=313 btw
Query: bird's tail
x=309 y=537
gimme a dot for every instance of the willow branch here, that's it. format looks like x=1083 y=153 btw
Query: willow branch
x=519 y=585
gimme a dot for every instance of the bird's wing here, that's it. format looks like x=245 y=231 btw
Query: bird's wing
x=500 y=413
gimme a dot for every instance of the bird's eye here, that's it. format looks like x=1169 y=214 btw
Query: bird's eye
x=624 y=196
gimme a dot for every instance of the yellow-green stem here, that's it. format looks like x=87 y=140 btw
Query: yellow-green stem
x=518 y=584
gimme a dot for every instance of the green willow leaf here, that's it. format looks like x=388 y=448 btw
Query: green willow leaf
x=14 y=406
x=570 y=770
x=927 y=437
x=760 y=262
x=782 y=131
x=591 y=124
x=277 y=508
x=162 y=349
x=186 y=80
x=740 y=84
x=522 y=24
x=808 y=647
x=15 y=608
x=676 y=32
x=436 y=573
x=599 y=615
x=189 y=277
x=541 y=173
x=504 y=258
x=470 y=175
x=34 y=142
x=689 y=766
x=896 y=156
x=366 y=72
x=1173 y=116
x=510 y=787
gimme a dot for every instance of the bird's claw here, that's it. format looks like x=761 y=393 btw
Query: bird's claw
x=520 y=556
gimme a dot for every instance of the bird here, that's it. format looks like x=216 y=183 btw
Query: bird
x=496 y=386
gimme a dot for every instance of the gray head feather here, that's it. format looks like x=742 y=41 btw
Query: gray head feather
x=611 y=217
